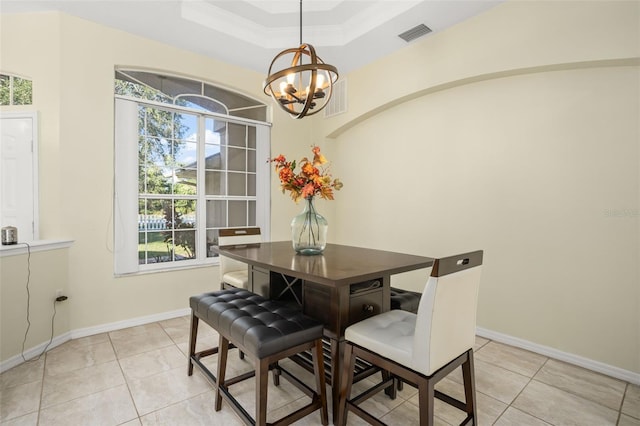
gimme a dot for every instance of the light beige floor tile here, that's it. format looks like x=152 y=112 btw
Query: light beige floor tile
x=137 y=340
x=235 y=365
x=514 y=417
x=631 y=403
x=379 y=404
x=27 y=372
x=313 y=419
x=63 y=362
x=559 y=407
x=153 y=358
x=277 y=396
x=166 y=388
x=513 y=359
x=207 y=338
x=79 y=383
x=81 y=342
x=628 y=421
x=587 y=384
x=196 y=411
x=407 y=414
x=177 y=328
x=109 y=407
x=494 y=381
x=480 y=342
x=16 y=401
x=28 y=420
x=153 y=362
x=489 y=409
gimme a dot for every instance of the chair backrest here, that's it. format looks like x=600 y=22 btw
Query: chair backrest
x=235 y=236
x=446 y=319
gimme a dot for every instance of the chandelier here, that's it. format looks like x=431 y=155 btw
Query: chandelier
x=304 y=86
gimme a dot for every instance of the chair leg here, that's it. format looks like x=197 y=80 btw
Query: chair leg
x=262 y=381
x=321 y=389
x=193 y=334
x=468 y=377
x=223 y=350
x=426 y=397
x=391 y=391
x=347 y=381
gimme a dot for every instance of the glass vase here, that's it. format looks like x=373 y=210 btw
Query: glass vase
x=309 y=230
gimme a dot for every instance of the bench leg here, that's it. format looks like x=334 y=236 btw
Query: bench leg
x=223 y=350
x=321 y=388
x=193 y=334
x=262 y=382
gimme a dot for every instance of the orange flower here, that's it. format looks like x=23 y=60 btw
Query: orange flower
x=286 y=174
x=308 y=190
x=309 y=170
x=311 y=180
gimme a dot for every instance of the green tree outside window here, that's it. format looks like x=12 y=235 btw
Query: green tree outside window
x=15 y=90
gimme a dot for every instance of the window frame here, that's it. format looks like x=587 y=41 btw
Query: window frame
x=126 y=193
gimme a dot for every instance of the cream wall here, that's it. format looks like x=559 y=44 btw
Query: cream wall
x=71 y=62
x=43 y=272
x=516 y=132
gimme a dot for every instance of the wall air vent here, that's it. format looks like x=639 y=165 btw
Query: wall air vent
x=415 y=32
x=338 y=102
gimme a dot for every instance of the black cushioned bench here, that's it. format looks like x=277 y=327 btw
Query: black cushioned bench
x=266 y=331
x=405 y=300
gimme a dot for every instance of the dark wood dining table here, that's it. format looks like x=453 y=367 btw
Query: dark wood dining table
x=342 y=286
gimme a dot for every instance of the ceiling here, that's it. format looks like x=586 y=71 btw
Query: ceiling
x=249 y=33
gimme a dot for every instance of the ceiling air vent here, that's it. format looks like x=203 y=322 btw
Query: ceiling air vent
x=415 y=32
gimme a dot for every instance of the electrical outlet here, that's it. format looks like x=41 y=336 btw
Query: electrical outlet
x=58 y=293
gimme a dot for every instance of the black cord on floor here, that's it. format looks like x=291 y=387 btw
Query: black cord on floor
x=28 y=311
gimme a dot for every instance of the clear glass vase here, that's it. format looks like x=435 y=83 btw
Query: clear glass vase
x=309 y=230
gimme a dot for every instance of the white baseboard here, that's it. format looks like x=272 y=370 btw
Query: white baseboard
x=34 y=352
x=89 y=331
x=119 y=325
x=597 y=366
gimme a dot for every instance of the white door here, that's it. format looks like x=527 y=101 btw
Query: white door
x=18 y=174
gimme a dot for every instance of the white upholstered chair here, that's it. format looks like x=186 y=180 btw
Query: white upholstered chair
x=421 y=348
x=234 y=274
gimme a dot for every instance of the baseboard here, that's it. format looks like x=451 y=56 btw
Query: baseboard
x=597 y=366
x=34 y=352
x=119 y=325
x=90 y=331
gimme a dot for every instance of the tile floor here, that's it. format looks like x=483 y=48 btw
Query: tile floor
x=137 y=376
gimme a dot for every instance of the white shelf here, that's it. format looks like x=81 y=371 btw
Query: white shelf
x=33 y=246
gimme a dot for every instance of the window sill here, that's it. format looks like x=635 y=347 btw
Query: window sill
x=34 y=246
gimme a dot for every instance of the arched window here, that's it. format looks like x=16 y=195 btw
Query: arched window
x=190 y=160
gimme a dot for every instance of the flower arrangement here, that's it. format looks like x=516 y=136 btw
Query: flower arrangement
x=311 y=180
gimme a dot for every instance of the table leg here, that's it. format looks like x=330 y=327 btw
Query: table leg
x=337 y=358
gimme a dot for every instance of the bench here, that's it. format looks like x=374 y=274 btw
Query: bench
x=266 y=331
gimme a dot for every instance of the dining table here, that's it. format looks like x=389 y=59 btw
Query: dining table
x=343 y=285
